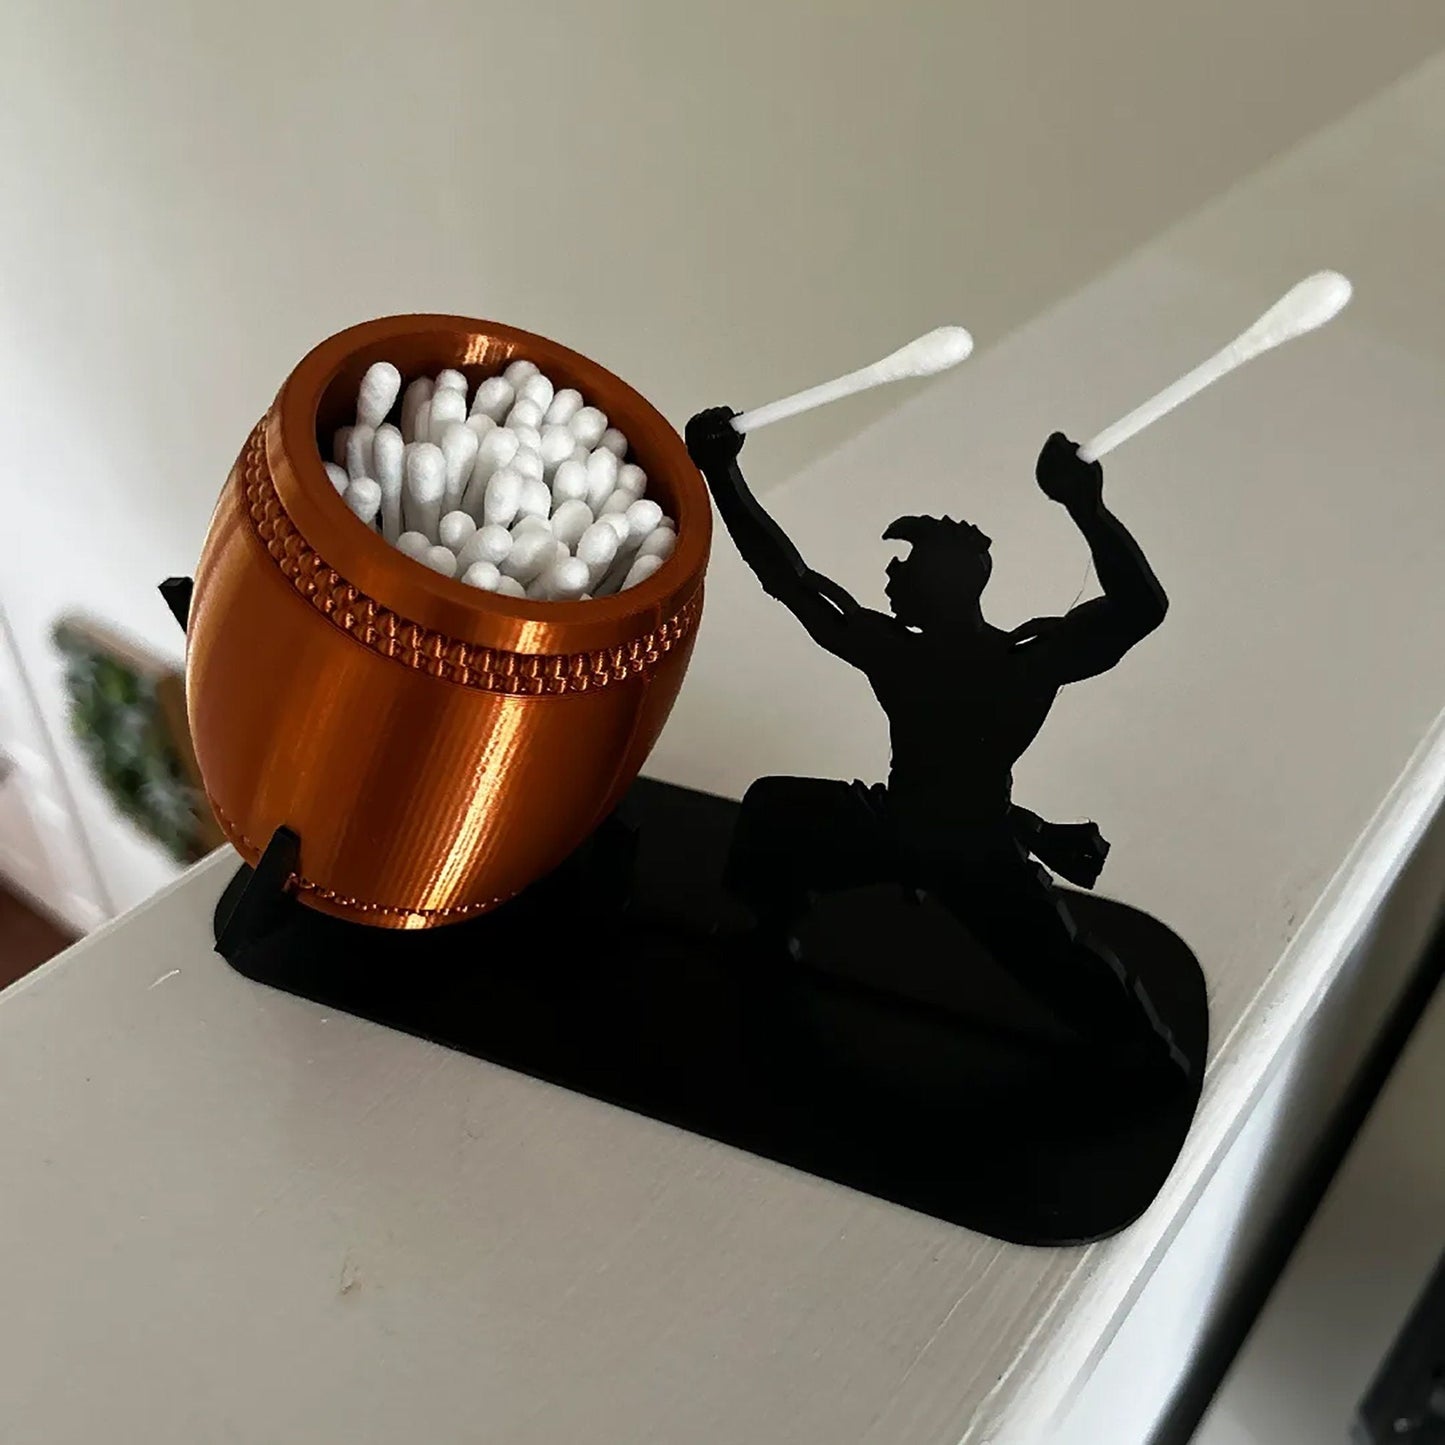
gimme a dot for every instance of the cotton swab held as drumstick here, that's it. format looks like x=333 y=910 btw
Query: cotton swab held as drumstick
x=933 y=352
x=1304 y=307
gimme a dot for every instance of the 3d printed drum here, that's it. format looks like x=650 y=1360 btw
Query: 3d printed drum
x=435 y=747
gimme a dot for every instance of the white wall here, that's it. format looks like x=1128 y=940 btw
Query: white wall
x=721 y=202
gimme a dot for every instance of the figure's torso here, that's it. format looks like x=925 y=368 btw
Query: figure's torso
x=959 y=718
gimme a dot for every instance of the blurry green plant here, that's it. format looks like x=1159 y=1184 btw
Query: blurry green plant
x=118 y=717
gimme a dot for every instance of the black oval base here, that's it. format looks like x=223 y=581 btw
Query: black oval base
x=893 y=1058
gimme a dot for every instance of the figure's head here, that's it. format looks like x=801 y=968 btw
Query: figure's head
x=944 y=573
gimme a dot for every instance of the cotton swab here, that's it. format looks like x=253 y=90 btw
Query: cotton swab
x=641 y=570
x=440 y=559
x=494 y=398
x=535 y=499
x=570 y=521
x=632 y=480
x=377 y=395
x=558 y=444
x=519 y=371
x=565 y=405
x=502 y=497
x=532 y=552
x=364 y=497
x=642 y=518
x=338 y=477
x=460 y=445
x=423 y=488
x=589 y=425
x=415 y=544
x=486 y=544
x=495 y=451
x=597 y=547
x=530 y=465
x=658 y=543
x=602 y=472
x=448 y=406
x=358 y=452
x=1303 y=308
x=525 y=412
x=927 y=355
x=537 y=389
x=564 y=581
x=455 y=530
x=387 y=452
x=417 y=392
x=482 y=574
x=452 y=380
x=569 y=482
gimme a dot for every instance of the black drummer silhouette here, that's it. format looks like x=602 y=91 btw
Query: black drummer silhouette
x=964 y=700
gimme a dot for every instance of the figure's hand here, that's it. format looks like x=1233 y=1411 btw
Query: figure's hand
x=1065 y=477
x=712 y=440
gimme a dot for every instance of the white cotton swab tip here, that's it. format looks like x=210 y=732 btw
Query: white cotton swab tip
x=642 y=517
x=641 y=570
x=502 y=497
x=565 y=405
x=455 y=530
x=363 y=496
x=493 y=398
x=418 y=392
x=533 y=551
x=564 y=581
x=570 y=521
x=659 y=542
x=530 y=464
x=536 y=497
x=359 y=460
x=448 y=407
x=926 y=355
x=613 y=441
x=482 y=574
x=1306 y=306
x=539 y=390
x=589 y=425
x=486 y=544
x=440 y=559
x=597 y=547
x=569 y=484
x=378 y=393
x=519 y=371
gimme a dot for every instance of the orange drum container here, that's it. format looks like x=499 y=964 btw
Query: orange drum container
x=436 y=748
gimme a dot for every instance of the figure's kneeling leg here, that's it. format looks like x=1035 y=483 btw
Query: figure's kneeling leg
x=796 y=836
x=1013 y=908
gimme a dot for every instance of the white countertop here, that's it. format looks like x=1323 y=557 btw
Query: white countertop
x=228 y=1214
